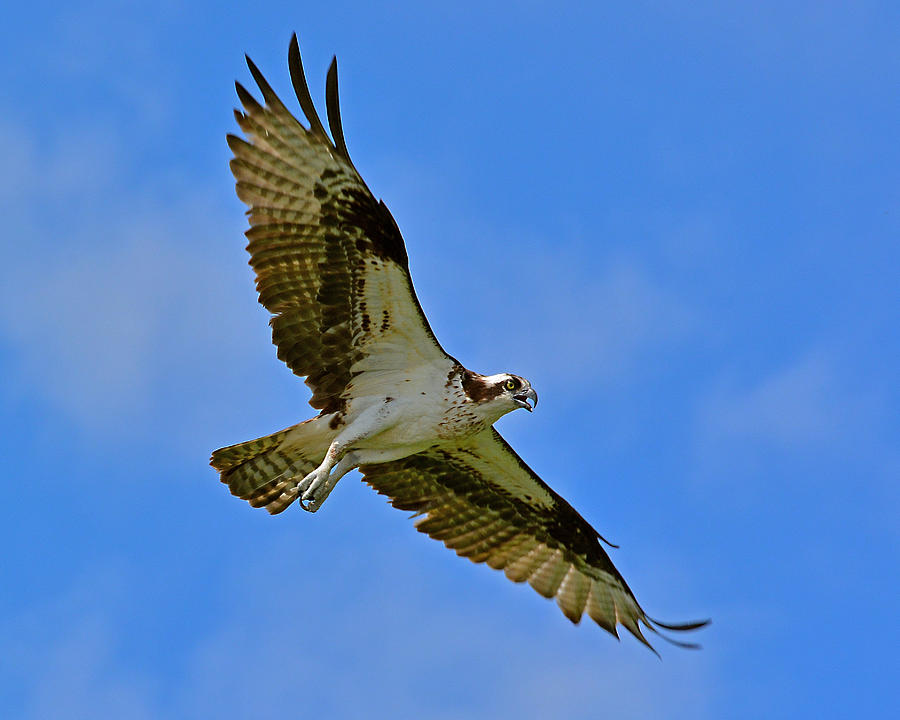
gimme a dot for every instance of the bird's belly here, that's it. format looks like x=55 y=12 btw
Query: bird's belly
x=411 y=427
x=410 y=430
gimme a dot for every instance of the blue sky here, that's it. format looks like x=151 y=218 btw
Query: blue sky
x=680 y=223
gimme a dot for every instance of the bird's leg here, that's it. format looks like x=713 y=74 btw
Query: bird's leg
x=339 y=460
x=311 y=486
x=321 y=487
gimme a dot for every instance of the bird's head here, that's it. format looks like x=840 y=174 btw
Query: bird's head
x=499 y=394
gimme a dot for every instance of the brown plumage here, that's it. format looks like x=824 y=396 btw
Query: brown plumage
x=314 y=225
x=332 y=269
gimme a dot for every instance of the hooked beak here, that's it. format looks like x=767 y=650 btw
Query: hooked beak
x=523 y=397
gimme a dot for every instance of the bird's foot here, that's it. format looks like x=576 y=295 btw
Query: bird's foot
x=310 y=489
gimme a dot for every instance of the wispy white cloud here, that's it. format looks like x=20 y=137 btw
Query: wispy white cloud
x=96 y=333
x=40 y=176
x=130 y=298
x=304 y=639
x=565 y=313
x=78 y=678
x=62 y=654
x=796 y=405
x=299 y=643
x=816 y=415
x=805 y=404
x=117 y=297
x=618 y=319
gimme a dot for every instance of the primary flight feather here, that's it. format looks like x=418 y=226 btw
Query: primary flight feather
x=331 y=267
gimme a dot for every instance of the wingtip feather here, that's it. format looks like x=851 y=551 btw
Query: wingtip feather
x=682 y=627
x=301 y=89
x=258 y=78
x=245 y=96
x=333 y=106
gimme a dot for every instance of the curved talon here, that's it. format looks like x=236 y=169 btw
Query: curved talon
x=315 y=488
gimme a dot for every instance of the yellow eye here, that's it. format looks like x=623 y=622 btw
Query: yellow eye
x=510 y=384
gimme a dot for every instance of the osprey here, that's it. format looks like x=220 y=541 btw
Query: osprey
x=332 y=269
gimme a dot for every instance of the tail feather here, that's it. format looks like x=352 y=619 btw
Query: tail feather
x=266 y=471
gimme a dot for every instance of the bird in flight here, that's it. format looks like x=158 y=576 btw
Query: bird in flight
x=332 y=269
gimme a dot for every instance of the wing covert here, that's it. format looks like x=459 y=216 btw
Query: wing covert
x=484 y=502
x=330 y=262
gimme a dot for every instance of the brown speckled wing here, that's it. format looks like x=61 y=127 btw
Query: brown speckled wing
x=484 y=502
x=330 y=263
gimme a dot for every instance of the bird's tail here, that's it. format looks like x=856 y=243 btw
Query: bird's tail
x=266 y=471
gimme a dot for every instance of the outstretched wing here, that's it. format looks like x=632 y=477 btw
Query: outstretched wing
x=330 y=262
x=484 y=502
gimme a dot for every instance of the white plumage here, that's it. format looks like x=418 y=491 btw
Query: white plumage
x=332 y=268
